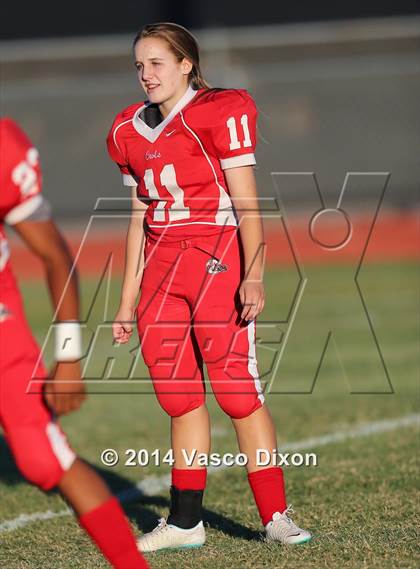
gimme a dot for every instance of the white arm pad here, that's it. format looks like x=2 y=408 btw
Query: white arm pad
x=68 y=341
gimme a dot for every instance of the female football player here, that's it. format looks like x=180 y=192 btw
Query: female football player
x=38 y=444
x=195 y=250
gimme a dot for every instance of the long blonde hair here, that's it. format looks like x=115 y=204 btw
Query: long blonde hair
x=181 y=43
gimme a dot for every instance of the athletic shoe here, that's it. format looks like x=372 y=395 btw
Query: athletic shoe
x=168 y=536
x=283 y=529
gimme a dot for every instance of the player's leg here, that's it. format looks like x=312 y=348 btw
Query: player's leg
x=41 y=450
x=164 y=328
x=169 y=350
x=45 y=459
x=100 y=515
x=190 y=432
x=257 y=432
x=229 y=350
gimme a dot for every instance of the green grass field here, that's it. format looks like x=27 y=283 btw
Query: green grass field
x=361 y=502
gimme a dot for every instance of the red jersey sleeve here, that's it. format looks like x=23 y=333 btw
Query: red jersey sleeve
x=20 y=174
x=116 y=150
x=234 y=133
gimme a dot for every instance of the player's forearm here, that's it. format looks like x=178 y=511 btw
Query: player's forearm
x=62 y=283
x=46 y=242
x=134 y=263
x=252 y=237
x=243 y=191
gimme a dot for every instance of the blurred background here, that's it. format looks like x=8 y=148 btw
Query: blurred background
x=337 y=87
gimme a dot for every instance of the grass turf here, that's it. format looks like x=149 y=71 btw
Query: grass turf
x=361 y=501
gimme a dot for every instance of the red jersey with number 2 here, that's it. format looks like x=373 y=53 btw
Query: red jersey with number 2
x=20 y=185
x=178 y=165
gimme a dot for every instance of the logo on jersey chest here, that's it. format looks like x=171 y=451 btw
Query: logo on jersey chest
x=152 y=155
x=214 y=266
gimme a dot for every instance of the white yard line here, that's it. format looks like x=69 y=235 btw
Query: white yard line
x=25 y=519
x=152 y=485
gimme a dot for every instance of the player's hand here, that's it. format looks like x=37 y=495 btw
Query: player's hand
x=122 y=328
x=251 y=294
x=64 y=391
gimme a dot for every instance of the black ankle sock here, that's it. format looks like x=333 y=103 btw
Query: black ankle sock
x=186 y=507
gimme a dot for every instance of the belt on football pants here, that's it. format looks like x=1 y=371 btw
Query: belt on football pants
x=201 y=243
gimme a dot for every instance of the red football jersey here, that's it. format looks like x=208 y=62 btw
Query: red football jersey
x=178 y=165
x=20 y=184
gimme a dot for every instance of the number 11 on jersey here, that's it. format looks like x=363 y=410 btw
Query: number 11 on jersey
x=234 y=141
x=177 y=209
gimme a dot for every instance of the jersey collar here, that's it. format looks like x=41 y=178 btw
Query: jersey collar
x=153 y=133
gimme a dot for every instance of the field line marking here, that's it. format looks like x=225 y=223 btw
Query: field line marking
x=152 y=485
x=25 y=519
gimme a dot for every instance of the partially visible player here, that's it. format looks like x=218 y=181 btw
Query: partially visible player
x=37 y=442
